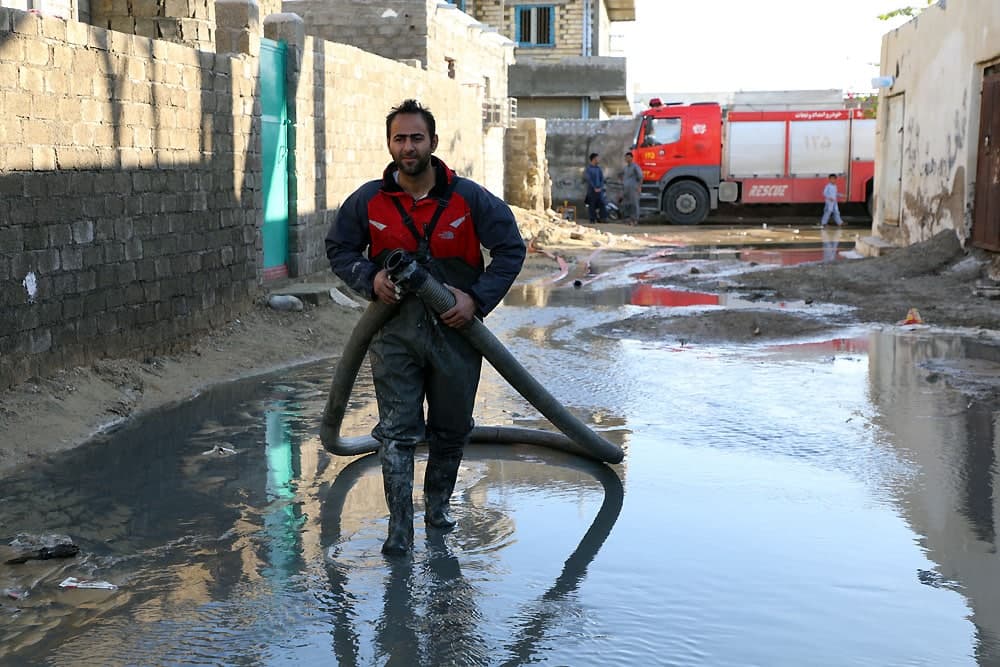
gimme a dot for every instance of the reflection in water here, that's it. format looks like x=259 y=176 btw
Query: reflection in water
x=831 y=243
x=434 y=619
x=954 y=441
x=772 y=493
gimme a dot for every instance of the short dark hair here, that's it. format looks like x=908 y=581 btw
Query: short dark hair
x=408 y=107
x=832 y=176
x=628 y=153
x=592 y=156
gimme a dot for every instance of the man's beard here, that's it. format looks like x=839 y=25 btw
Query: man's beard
x=416 y=168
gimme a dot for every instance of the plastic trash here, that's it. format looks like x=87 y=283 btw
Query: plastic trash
x=912 y=317
x=285 y=302
x=219 y=450
x=73 y=582
x=342 y=299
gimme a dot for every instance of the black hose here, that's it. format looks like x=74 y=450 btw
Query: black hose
x=578 y=439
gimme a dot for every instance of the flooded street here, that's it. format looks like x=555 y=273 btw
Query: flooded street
x=820 y=500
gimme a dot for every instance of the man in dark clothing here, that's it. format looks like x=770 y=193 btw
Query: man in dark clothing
x=423 y=207
x=594 y=175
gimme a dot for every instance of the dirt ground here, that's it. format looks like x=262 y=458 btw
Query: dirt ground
x=44 y=416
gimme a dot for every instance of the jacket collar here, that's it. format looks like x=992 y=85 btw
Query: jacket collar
x=443 y=176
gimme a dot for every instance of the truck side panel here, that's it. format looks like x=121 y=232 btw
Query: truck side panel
x=818 y=148
x=755 y=150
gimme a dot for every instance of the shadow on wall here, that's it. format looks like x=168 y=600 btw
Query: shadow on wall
x=114 y=240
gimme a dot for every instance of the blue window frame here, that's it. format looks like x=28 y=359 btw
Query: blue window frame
x=535 y=25
x=458 y=3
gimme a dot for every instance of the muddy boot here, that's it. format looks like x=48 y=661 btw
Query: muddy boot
x=439 y=482
x=397 y=480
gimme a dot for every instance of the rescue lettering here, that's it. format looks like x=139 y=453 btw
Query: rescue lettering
x=768 y=190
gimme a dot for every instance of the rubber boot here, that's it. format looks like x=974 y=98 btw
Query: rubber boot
x=397 y=480
x=439 y=482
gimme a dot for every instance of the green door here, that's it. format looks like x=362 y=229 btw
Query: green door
x=274 y=146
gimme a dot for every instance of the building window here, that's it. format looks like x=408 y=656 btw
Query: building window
x=458 y=3
x=535 y=26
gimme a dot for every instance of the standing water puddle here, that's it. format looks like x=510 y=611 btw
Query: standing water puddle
x=814 y=502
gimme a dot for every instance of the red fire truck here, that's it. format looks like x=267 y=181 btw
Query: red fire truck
x=694 y=156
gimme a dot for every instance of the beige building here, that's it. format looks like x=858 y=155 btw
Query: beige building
x=564 y=67
x=937 y=159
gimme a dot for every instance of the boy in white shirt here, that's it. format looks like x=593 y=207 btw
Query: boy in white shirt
x=830 y=196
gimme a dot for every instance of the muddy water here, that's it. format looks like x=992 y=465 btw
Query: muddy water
x=812 y=502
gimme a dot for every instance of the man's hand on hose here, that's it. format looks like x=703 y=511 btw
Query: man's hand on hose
x=385 y=289
x=462 y=312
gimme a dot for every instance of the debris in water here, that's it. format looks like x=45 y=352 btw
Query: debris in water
x=65 y=550
x=219 y=450
x=73 y=582
x=912 y=317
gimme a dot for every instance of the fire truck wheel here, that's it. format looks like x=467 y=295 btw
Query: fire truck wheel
x=685 y=203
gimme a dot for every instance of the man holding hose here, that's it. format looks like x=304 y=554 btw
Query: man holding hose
x=444 y=221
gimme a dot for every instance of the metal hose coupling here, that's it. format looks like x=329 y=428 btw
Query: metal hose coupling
x=409 y=274
x=404 y=270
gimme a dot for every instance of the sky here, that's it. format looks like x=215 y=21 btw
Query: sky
x=729 y=45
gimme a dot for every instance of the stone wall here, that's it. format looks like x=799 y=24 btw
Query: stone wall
x=130 y=199
x=528 y=184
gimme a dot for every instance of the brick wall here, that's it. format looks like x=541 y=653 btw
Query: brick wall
x=129 y=193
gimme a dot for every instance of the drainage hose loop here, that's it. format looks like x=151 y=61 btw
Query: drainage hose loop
x=578 y=439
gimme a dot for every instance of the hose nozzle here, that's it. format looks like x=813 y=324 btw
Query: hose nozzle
x=404 y=270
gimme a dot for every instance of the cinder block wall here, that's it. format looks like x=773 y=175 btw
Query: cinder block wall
x=130 y=200
x=190 y=22
x=342 y=96
x=393 y=29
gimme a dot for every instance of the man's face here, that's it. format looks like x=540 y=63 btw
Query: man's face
x=409 y=143
x=628 y=158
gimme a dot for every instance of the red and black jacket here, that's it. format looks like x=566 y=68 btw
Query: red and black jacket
x=370 y=224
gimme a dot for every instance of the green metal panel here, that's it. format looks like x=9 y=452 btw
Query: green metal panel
x=274 y=148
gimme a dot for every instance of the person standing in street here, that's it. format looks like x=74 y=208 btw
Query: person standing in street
x=631 y=188
x=597 y=210
x=830 y=197
x=444 y=220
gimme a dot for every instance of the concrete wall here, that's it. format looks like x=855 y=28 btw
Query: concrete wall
x=567 y=145
x=130 y=200
x=927 y=147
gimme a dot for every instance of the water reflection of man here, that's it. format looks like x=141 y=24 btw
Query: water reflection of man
x=831 y=243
